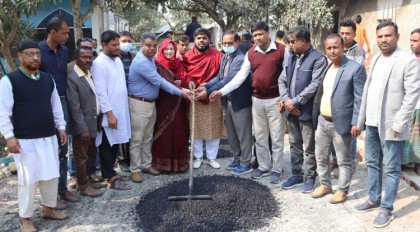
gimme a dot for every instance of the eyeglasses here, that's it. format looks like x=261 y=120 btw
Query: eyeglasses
x=150 y=45
x=32 y=54
x=292 y=41
x=228 y=44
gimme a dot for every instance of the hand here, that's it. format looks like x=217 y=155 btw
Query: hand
x=292 y=108
x=85 y=137
x=177 y=82
x=112 y=120
x=191 y=85
x=295 y=112
x=186 y=94
x=282 y=107
x=13 y=145
x=396 y=134
x=215 y=95
x=354 y=132
x=200 y=89
x=63 y=137
x=201 y=95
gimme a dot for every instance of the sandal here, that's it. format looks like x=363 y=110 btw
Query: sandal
x=118 y=184
x=124 y=178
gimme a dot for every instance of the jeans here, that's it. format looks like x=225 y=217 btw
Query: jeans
x=324 y=135
x=389 y=154
x=302 y=134
x=353 y=151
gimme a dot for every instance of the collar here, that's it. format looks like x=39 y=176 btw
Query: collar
x=45 y=45
x=80 y=72
x=353 y=45
x=30 y=75
x=271 y=47
x=305 y=53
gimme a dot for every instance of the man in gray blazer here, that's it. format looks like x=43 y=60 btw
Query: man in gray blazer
x=84 y=111
x=389 y=98
x=336 y=110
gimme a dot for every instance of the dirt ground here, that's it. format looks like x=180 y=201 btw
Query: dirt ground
x=114 y=211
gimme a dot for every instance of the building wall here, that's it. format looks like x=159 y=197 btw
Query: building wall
x=404 y=12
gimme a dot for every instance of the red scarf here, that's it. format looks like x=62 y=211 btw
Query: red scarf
x=202 y=67
x=173 y=64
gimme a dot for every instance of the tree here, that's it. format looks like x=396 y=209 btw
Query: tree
x=79 y=18
x=12 y=25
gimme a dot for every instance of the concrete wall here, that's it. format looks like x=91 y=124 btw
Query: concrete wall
x=406 y=13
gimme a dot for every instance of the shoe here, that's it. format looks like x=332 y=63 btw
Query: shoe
x=136 y=177
x=233 y=165
x=259 y=174
x=91 y=192
x=48 y=213
x=308 y=185
x=60 y=205
x=69 y=196
x=72 y=183
x=95 y=178
x=27 y=226
x=338 y=197
x=214 y=164
x=197 y=163
x=242 y=170
x=275 y=177
x=124 y=167
x=321 y=191
x=151 y=170
x=383 y=219
x=365 y=207
x=292 y=182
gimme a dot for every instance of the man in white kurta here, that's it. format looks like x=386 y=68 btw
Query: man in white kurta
x=30 y=113
x=111 y=90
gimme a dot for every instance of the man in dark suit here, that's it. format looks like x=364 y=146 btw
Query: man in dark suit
x=84 y=112
x=237 y=106
x=336 y=110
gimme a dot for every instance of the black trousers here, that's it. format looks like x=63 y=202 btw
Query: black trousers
x=107 y=157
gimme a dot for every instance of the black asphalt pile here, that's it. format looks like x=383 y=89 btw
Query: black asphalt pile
x=238 y=205
x=224 y=149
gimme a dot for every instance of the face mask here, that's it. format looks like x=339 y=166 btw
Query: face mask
x=125 y=47
x=93 y=49
x=229 y=50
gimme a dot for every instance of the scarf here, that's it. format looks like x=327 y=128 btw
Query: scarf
x=202 y=67
x=173 y=64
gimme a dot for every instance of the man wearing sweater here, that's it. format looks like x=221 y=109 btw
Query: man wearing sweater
x=32 y=140
x=265 y=61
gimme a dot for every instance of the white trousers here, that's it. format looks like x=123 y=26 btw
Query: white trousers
x=212 y=147
x=26 y=196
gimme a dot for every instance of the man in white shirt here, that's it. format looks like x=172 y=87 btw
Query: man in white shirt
x=388 y=102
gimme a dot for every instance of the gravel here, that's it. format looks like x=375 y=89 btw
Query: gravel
x=238 y=204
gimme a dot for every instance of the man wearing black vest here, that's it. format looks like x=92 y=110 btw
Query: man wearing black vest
x=30 y=114
x=265 y=61
x=237 y=106
x=298 y=84
x=55 y=57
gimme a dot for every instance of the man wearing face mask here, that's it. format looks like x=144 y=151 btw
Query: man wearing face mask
x=265 y=61
x=237 y=105
x=126 y=57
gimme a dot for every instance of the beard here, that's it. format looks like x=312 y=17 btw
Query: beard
x=203 y=49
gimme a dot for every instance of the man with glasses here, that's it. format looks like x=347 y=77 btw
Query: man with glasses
x=265 y=61
x=298 y=84
x=237 y=105
x=144 y=83
x=32 y=139
x=55 y=57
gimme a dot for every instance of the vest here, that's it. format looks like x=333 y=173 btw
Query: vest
x=303 y=79
x=32 y=114
x=266 y=69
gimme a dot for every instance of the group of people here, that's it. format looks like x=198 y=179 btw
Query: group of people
x=138 y=105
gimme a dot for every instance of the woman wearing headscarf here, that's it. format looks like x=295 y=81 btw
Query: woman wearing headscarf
x=171 y=132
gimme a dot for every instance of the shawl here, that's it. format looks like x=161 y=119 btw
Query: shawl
x=202 y=67
x=174 y=64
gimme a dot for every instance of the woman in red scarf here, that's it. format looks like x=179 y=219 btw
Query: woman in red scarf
x=171 y=132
